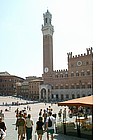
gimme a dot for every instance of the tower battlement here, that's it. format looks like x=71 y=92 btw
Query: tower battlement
x=89 y=52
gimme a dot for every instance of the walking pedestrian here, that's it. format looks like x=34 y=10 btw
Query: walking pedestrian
x=20 y=125
x=39 y=128
x=29 y=127
x=50 y=125
x=2 y=124
x=45 y=117
x=40 y=113
x=60 y=114
x=49 y=109
x=64 y=115
x=2 y=134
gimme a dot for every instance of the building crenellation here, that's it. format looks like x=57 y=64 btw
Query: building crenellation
x=89 y=52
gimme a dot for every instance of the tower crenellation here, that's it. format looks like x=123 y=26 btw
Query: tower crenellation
x=69 y=55
x=89 y=51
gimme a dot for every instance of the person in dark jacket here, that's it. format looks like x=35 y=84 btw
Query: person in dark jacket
x=39 y=128
x=2 y=125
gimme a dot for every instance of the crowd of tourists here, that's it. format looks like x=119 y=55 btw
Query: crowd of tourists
x=46 y=123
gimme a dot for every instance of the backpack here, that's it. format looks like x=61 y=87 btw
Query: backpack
x=49 y=122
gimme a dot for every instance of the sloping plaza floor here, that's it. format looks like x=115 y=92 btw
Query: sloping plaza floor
x=10 y=118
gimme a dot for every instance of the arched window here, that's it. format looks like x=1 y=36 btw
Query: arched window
x=66 y=74
x=67 y=96
x=62 y=97
x=72 y=74
x=78 y=95
x=89 y=85
x=56 y=86
x=66 y=86
x=83 y=85
x=61 y=75
x=61 y=86
x=82 y=73
x=56 y=96
x=77 y=86
x=73 y=96
x=77 y=73
x=72 y=86
x=88 y=72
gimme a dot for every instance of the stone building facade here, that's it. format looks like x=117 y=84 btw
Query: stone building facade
x=29 y=88
x=9 y=83
x=60 y=85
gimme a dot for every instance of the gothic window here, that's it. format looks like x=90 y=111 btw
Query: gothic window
x=83 y=85
x=88 y=72
x=56 y=96
x=82 y=73
x=73 y=96
x=46 y=20
x=61 y=87
x=56 y=87
x=77 y=73
x=83 y=95
x=66 y=87
x=89 y=85
x=77 y=86
x=62 y=97
x=66 y=74
x=72 y=86
x=67 y=96
x=72 y=74
x=78 y=95
x=61 y=75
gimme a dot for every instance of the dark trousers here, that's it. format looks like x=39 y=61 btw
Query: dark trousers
x=28 y=133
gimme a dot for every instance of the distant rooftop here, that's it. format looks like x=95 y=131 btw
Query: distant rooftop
x=4 y=73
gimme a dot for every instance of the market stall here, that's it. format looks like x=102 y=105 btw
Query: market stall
x=82 y=121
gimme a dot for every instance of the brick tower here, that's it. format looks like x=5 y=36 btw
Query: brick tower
x=47 y=30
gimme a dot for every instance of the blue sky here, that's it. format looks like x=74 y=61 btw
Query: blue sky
x=21 y=45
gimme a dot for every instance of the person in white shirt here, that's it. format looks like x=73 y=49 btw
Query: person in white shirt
x=29 y=127
x=2 y=134
x=50 y=127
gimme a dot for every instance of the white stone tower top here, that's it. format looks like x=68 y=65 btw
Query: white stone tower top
x=47 y=28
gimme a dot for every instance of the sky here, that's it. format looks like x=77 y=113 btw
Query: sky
x=21 y=39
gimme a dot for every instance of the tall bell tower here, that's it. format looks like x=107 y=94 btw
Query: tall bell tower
x=47 y=30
